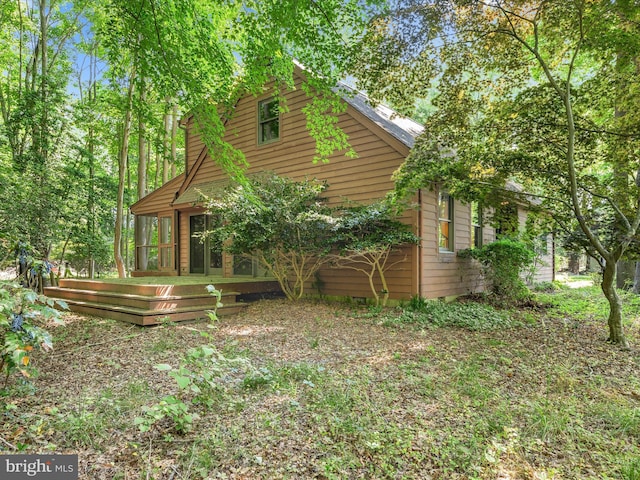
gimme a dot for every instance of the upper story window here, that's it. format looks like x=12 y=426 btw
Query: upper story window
x=445 y=222
x=476 y=225
x=268 y=121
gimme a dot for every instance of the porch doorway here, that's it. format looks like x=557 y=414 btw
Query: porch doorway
x=205 y=258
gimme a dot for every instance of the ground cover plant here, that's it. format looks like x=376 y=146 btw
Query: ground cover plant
x=316 y=390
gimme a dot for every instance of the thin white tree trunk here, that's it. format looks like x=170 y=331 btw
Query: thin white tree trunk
x=122 y=170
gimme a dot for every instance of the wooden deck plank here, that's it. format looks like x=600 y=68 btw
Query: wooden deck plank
x=146 y=302
x=149 y=303
x=148 y=317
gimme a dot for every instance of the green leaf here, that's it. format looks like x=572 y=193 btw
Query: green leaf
x=183 y=382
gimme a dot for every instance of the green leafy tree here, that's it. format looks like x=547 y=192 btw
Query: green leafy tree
x=365 y=237
x=208 y=54
x=37 y=133
x=283 y=223
x=528 y=91
x=82 y=81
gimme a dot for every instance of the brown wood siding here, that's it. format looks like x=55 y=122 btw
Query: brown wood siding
x=445 y=274
x=183 y=258
x=544 y=271
x=195 y=145
x=543 y=263
x=423 y=269
x=364 y=179
x=184 y=238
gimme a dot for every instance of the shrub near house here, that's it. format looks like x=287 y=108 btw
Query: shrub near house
x=282 y=223
x=503 y=263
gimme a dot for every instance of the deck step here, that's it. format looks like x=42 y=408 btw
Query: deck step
x=156 y=290
x=143 y=304
x=149 y=317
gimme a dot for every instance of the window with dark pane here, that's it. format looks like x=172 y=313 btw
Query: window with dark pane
x=476 y=225
x=268 y=121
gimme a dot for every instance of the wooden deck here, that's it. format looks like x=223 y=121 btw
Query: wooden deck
x=152 y=300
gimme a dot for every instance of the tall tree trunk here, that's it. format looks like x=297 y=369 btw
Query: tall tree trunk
x=574 y=263
x=62 y=262
x=616 y=331
x=127 y=227
x=159 y=166
x=91 y=224
x=174 y=140
x=636 y=279
x=165 y=141
x=142 y=150
x=126 y=240
x=122 y=170
x=142 y=225
x=42 y=147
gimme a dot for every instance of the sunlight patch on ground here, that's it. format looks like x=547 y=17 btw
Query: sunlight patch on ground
x=580 y=284
x=246 y=330
x=574 y=281
x=420 y=346
x=8 y=274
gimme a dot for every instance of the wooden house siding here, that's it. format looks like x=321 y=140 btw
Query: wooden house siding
x=369 y=175
x=438 y=268
x=421 y=269
x=363 y=179
x=445 y=274
x=544 y=261
x=158 y=201
x=183 y=242
x=545 y=266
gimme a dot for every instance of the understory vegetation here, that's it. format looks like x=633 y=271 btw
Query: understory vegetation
x=316 y=390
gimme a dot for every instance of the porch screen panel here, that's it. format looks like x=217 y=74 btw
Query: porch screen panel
x=146 y=242
x=197 y=225
x=243 y=265
x=166 y=245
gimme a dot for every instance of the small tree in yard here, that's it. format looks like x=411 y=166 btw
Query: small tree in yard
x=366 y=236
x=543 y=92
x=283 y=223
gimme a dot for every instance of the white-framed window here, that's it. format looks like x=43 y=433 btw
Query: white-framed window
x=476 y=225
x=268 y=121
x=445 y=222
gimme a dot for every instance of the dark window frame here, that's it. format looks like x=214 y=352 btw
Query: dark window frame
x=476 y=226
x=266 y=123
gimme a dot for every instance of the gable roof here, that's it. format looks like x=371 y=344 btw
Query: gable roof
x=160 y=199
x=181 y=190
x=403 y=128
